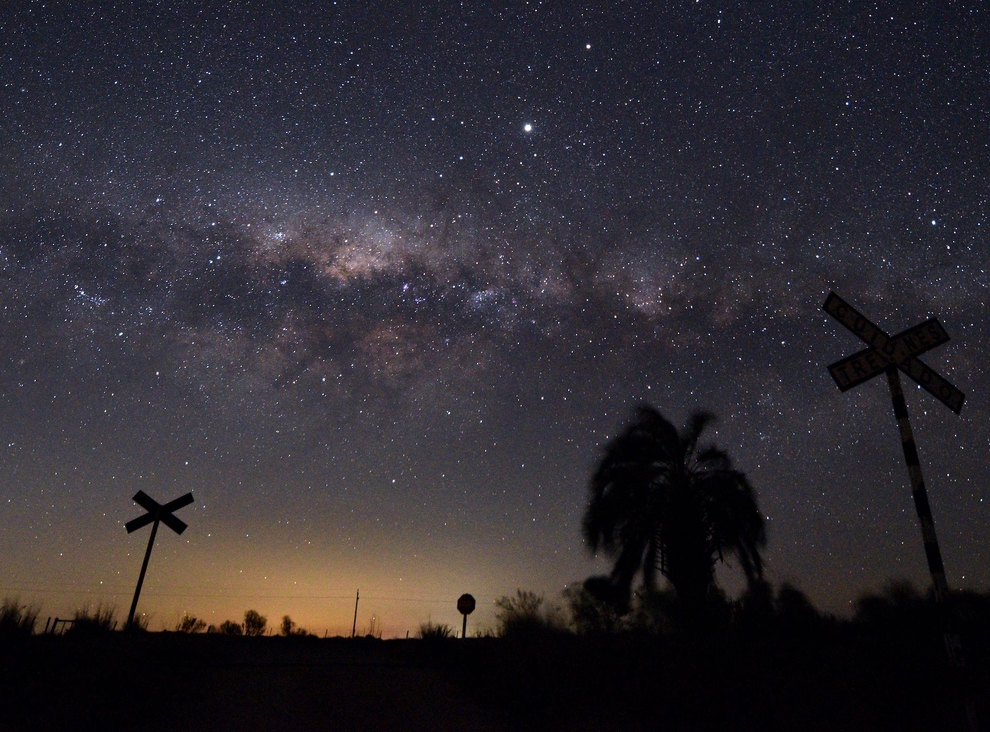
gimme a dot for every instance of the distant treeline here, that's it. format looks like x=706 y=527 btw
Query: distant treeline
x=899 y=607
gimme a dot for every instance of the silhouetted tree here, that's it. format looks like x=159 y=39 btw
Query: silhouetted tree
x=899 y=610
x=229 y=627
x=254 y=623
x=759 y=608
x=794 y=609
x=755 y=608
x=661 y=502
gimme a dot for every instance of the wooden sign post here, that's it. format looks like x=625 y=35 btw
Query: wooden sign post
x=156 y=513
x=890 y=355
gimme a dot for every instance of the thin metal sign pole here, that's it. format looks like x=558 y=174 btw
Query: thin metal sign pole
x=144 y=568
x=953 y=644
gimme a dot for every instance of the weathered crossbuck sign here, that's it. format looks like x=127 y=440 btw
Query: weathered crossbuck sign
x=900 y=351
x=156 y=513
x=890 y=355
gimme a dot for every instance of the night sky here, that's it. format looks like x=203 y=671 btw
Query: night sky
x=378 y=281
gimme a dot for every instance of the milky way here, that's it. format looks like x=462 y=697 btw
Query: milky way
x=377 y=284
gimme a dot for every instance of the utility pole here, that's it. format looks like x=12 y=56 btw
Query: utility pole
x=354 y=625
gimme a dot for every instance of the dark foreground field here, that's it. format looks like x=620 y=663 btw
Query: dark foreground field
x=834 y=678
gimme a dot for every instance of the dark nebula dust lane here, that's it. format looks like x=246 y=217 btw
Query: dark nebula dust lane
x=377 y=284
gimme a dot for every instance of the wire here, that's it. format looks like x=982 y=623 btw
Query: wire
x=106 y=591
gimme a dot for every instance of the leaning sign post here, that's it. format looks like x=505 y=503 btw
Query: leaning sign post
x=157 y=513
x=890 y=355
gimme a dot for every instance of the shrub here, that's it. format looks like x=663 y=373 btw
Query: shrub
x=794 y=608
x=190 y=624
x=101 y=620
x=655 y=612
x=756 y=606
x=435 y=631
x=17 y=619
x=900 y=610
x=289 y=627
x=254 y=623
x=526 y=614
x=229 y=627
x=594 y=606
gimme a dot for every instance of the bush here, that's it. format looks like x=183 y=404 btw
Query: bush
x=527 y=614
x=254 y=623
x=289 y=627
x=190 y=624
x=655 y=612
x=101 y=620
x=594 y=607
x=229 y=627
x=17 y=619
x=431 y=631
x=793 y=607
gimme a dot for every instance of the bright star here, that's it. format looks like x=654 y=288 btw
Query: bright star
x=527 y=127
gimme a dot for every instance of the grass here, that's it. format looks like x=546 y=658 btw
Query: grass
x=190 y=624
x=101 y=620
x=17 y=619
x=430 y=631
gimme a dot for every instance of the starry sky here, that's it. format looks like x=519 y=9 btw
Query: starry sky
x=378 y=281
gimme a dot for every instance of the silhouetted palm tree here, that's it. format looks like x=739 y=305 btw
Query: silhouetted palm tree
x=662 y=503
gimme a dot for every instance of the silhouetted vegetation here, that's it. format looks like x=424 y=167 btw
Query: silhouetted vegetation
x=229 y=627
x=190 y=624
x=592 y=609
x=97 y=622
x=898 y=605
x=527 y=613
x=769 y=661
x=255 y=623
x=289 y=628
x=661 y=502
x=431 y=631
x=17 y=619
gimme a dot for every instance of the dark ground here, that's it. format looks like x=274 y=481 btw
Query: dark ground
x=830 y=677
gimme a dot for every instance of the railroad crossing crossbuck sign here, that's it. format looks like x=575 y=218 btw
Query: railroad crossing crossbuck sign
x=885 y=351
x=157 y=513
x=891 y=354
